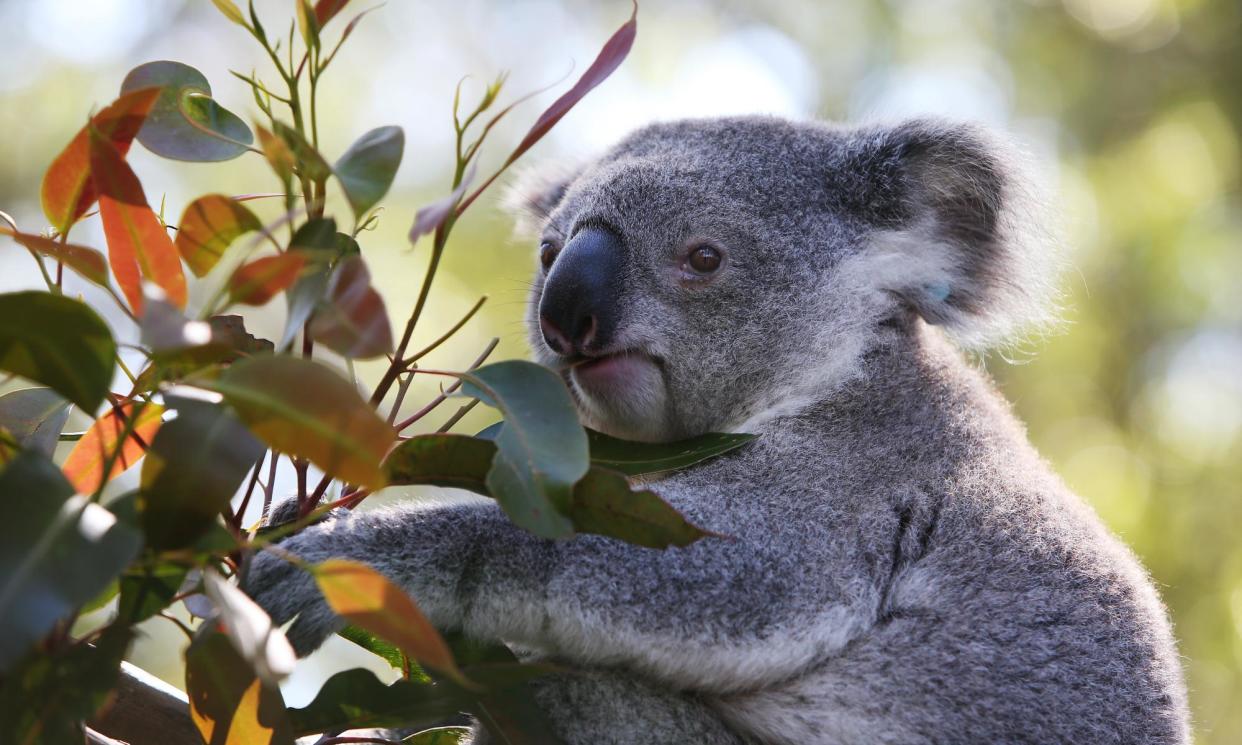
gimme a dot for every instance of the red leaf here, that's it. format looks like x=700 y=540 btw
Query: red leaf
x=85 y=465
x=67 y=189
x=353 y=322
x=138 y=245
x=609 y=59
x=261 y=280
x=326 y=9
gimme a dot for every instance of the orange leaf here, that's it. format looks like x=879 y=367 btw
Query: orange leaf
x=138 y=245
x=262 y=279
x=366 y=598
x=207 y=228
x=67 y=189
x=85 y=261
x=277 y=152
x=85 y=465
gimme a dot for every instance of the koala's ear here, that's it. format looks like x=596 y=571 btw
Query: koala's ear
x=534 y=193
x=963 y=239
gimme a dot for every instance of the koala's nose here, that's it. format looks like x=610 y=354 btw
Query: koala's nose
x=581 y=295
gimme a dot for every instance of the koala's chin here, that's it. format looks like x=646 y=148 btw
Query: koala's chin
x=623 y=395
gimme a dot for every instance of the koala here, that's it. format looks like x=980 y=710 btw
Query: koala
x=897 y=563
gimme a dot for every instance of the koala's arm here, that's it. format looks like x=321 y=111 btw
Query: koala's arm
x=718 y=616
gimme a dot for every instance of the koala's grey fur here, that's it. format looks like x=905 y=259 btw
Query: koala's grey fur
x=903 y=567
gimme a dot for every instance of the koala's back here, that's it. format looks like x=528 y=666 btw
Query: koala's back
x=991 y=603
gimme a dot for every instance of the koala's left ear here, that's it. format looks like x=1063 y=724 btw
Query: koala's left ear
x=534 y=193
x=961 y=240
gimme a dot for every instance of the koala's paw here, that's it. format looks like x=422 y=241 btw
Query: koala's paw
x=288 y=592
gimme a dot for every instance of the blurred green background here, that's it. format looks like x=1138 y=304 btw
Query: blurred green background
x=1134 y=106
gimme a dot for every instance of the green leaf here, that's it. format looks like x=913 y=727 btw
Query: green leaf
x=647 y=458
x=57 y=551
x=148 y=589
x=352 y=320
x=643 y=458
x=605 y=504
x=317 y=241
x=542 y=450
x=303 y=408
x=228 y=702
x=193 y=468
x=438 y=736
x=452 y=461
x=69 y=349
x=35 y=417
x=186 y=124
x=367 y=169
x=375 y=645
x=356 y=698
x=48 y=696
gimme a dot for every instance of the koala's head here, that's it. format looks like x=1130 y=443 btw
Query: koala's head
x=704 y=273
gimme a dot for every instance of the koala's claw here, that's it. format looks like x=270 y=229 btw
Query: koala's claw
x=288 y=592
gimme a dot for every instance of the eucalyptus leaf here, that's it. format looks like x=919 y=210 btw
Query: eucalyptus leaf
x=647 y=458
x=301 y=407
x=644 y=458
x=375 y=645
x=50 y=693
x=218 y=682
x=367 y=169
x=34 y=417
x=148 y=589
x=603 y=501
x=195 y=465
x=185 y=123
x=57 y=552
x=310 y=163
x=352 y=320
x=605 y=504
x=542 y=450
x=356 y=698
x=451 y=461
x=69 y=349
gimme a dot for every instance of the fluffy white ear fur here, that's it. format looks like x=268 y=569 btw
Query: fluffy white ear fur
x=534 y=192
x=979 y=252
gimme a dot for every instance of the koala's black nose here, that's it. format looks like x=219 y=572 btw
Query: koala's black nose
x=578 y=310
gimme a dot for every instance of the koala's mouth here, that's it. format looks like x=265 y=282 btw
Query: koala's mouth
x=613 y=372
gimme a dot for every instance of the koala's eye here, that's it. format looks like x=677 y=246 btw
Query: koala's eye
x=704 y=259
x=547 y=254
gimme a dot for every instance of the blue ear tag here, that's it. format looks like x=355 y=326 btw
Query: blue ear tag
x=939 y=291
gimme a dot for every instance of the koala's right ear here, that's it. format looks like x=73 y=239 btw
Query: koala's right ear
x=535 y=192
